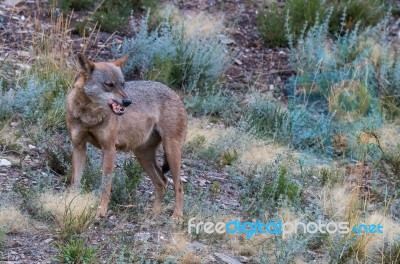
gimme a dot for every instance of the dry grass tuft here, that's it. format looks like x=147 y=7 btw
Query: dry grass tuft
x=200 y=127
x=195 y=23
x=260 y=152
x=179 y=250
x=12 y=219
x=389 y=135
x=336 y=201
x=71 y=211
x=248 y=247
x=57 y=203
x=374 y=243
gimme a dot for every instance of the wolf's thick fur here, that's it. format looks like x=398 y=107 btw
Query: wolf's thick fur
x=95 y=114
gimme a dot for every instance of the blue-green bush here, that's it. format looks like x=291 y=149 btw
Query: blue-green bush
x=215 y=102
x=164 y=54
x=36 y=101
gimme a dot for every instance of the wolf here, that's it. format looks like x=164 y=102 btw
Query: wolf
x=111 y=114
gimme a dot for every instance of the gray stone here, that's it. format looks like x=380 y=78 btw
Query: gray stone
x=5 y=163
x=226 y=259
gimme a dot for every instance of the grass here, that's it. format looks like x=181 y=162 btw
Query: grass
x=75 y=251
x=12 y=219
x=72 y=212
x=3 y=237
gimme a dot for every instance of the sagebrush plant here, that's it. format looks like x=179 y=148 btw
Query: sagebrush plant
x=30 y=102
x=164 y=54
x=349 y=72
x=214 y=102
x=294 y=125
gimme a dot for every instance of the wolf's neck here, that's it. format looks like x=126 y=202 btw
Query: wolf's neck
x=86 y=111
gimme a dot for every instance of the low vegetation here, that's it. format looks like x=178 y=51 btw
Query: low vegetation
x=300 y=15
x=173 y=55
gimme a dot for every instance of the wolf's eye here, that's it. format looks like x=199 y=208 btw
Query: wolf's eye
x=109 y=84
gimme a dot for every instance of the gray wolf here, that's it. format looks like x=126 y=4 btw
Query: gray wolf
x=135 y=116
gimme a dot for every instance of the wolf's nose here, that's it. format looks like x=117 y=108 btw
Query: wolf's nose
x=126 y=102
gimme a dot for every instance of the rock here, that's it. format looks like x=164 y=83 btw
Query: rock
x=196 y=246
x=5 y=163
x=244 y=259
x=47 y=241
x=238 y=62
x=183 y=178
x=112 y=218
x=395 y=208
x=226 y=259
x=12 y=2
x=142 y=236
x=226 y=40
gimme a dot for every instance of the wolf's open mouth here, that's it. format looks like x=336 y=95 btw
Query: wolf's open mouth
x=116 y=107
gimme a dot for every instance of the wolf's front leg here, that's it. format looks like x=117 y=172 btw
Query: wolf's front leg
x=78 y=163
x=108 y=154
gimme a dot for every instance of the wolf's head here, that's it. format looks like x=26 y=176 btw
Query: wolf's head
x=104 y=83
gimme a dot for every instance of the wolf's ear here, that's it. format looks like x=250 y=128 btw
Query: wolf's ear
x=87 y=65
x=121 y=61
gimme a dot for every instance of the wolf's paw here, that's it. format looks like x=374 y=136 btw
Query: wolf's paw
x=177 y=216
x=101 y=212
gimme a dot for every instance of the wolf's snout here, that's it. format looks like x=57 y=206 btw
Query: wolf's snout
x=126 y=102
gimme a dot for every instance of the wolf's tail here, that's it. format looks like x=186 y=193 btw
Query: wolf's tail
x=165 y=166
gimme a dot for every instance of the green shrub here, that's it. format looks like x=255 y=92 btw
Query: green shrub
x=282 y=188
x=164 y=54
x=269 y=26
x=110 y=19
x=3 y=237
x=303 y=14
x=267 y=187
x=58 y=153
x=366 y=12
x=113 y=15
x=75 y=251
x=76 y=5
x=125 y=184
